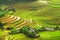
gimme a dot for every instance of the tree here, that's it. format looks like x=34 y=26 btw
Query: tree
x=27 y=30
x=2 y=13
x=13 y=31
x=13 y=1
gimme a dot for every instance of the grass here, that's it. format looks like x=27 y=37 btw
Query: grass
x=1 y=33
x=50 y=35
x=18 y=37
x=47 y=35
x=54 y=1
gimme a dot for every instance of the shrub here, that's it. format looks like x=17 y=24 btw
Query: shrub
x=31 y=34
x=2 y=13
x=40 y=29
x=57 y=27
x=13 y=31
x=27 y=30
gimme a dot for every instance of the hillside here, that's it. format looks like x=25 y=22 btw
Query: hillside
x=37 y=11
x=40 y=16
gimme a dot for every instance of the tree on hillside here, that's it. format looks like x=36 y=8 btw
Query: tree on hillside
x=12 y=1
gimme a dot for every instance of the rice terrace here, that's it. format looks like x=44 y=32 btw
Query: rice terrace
x=29 y=19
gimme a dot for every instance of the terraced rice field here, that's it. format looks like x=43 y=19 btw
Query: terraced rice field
x=40 y=13
x=15 y=21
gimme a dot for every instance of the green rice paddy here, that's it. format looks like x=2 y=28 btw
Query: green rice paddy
x=42 y=15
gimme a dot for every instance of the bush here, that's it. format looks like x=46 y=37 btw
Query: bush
x=24 y=29
x=32 y=35
x=13 y=31
x=40 y=29
x=57 y=27
x=2 y=13
x=27 y=30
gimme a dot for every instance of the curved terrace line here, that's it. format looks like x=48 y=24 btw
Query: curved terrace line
x=50 y=3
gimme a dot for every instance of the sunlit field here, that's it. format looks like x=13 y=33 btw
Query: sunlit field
x=39 y=14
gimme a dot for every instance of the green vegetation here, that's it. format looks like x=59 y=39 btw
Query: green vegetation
x=14 y=1
x=28 y=31
x=45 y=18
x=2 y=13
x=20 y=36
x=50 y=35
x=1 y=33
x=54 y=1
x=47 y=35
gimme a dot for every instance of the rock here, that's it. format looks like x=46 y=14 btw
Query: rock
x=49 y=29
